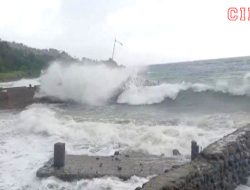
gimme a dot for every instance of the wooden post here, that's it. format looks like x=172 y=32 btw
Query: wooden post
x=59 y=154
x=194 y=150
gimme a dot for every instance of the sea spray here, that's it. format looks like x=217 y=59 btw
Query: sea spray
x=20 y=83
x=87 y=84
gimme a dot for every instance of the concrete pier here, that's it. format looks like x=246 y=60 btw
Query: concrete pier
x=120 y=165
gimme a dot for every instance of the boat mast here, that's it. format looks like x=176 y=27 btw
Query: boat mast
x=113 y=53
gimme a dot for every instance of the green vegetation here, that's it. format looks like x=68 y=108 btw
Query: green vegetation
x=18 y=61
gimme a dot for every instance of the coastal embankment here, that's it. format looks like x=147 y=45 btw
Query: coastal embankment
x=223 y=165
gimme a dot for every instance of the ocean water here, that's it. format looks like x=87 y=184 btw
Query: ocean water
x=153 y=109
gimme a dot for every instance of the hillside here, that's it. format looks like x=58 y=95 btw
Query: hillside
x=18 y=60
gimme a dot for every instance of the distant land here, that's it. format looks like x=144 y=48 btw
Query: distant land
x=241 y=59
x=20 y=61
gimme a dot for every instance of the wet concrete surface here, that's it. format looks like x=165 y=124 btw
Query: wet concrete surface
x=122 y=165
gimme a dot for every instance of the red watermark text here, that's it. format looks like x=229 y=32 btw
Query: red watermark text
x=238 y=14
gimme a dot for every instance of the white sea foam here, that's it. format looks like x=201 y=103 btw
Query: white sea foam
x=104 y=183
x=106 y=137
x=244 y=187
x=20 y=83
x=27 y=138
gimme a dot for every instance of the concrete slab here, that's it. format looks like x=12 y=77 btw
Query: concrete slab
x=123 y=166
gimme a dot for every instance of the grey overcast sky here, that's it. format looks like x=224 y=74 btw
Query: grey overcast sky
x=152 y=31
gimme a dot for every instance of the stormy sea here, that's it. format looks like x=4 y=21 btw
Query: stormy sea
x=152 y=109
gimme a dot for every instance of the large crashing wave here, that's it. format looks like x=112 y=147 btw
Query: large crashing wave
x=90 y=84
x=97 y=84
x=142 y=95
x=91 y=137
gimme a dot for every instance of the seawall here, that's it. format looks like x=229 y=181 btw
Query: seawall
x=221 y=166
x=20 y=97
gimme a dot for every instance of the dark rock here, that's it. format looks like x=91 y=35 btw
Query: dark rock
x=166 y=170
x=175 y=166
x=116 y=153
x=176 y=152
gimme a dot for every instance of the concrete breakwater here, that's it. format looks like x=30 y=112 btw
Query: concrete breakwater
x=20 y=97
x=17 y=97
x=75 y=167
x=221 y=166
